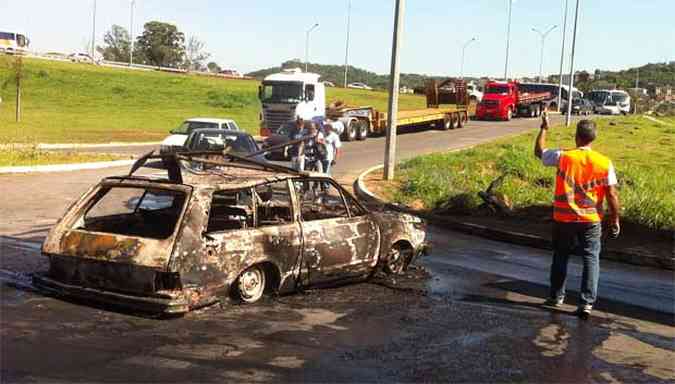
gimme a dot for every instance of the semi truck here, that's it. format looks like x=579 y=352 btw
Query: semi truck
x=294 y=94
x=504 y=100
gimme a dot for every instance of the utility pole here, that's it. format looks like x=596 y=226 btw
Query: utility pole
x=349 y=24
x=18 y=68
x=307 y=45
x=637 y=93
x=390 y=147
x=93 y=32
x=508 y=43
x=131 y=34
x=568 y=119
x=541 y=57
x=562 y=55
x=461 y=70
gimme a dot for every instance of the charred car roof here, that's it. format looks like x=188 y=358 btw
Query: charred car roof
x=218 y=170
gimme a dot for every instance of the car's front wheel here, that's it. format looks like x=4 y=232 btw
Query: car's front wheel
x=250 y=285
x=398 y=259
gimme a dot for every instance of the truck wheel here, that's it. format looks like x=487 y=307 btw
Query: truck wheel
x=350 y=132
x=460 y=124
x=362 y=130
x=509 y=114
x=447 y=123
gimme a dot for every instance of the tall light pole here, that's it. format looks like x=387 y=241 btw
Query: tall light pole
x=461 y=70
x=349 y=24
x=131 y=34
x=390 y=145
x=93 y=31
x=543 y=40
x=315 y=26
x=508 y=42
x=568 y=119
x=562 y=55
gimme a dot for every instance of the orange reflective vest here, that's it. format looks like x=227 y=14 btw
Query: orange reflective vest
x=580 y=186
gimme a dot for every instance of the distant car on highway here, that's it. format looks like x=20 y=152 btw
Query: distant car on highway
x=215 y=140
x=359 y=86
x=582 y=106
x=80 y=57
x=179 y=135
x=329 y=84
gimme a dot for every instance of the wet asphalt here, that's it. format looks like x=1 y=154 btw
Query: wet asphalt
x=469 y=312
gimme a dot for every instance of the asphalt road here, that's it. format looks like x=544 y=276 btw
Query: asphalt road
x=469 y=312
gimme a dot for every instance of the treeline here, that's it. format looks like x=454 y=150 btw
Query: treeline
x=650 y=75
x=160 y=44
x=335 y=74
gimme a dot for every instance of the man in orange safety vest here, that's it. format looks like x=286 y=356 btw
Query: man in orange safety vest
x=584 y=179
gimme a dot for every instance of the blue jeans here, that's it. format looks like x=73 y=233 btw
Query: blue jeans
x=582 y=239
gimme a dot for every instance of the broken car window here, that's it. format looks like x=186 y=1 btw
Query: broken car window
x=231 y=210
x=320 y=200
x=132 y=211
x=274 y=204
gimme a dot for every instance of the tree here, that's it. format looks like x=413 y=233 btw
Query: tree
x=161 y=44
x=213 y=67
x=195 y=54
x=117 y=44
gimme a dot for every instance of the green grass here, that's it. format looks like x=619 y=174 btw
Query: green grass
x=32 y=156
x=67 y=102
x=642 y=152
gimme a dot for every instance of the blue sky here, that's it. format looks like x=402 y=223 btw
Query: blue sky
x=252 y=34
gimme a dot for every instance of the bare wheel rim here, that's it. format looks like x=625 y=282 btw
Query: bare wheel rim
x=396 y=261
x=252 y=284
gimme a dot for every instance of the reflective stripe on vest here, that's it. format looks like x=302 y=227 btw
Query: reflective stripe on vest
x=580 y=186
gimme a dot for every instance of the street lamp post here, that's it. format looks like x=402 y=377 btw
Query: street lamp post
x=508 y=42
x=315 y=26
x=93 y=31
x=390 y=145
x=131 y=34
x=568 y=118
x=562 y=55
x=541 y=57
x=461 y=69
x=349 y=23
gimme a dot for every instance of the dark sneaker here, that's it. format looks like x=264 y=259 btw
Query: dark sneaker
x=554 y=302
x=584 y=312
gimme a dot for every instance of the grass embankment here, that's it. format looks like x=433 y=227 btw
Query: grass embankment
x=75 y=103
x=643 y=153
x=33 y=156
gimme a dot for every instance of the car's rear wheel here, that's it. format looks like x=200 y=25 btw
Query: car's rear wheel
x=398 y=259
x=251 y=284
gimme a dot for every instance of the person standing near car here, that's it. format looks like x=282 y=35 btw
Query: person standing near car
x=331 y=141
x=314 y=152
x=584 y=179
x=297 y=151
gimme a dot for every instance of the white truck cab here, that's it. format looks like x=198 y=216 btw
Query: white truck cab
x=288 y=95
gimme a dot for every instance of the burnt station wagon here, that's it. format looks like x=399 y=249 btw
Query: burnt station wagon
x=218 y=227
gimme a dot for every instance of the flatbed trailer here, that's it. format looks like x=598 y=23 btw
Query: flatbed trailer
x=448 y=107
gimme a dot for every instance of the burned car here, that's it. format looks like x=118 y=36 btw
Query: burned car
x=230 y=228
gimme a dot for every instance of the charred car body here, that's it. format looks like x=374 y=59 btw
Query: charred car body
x=230 y=227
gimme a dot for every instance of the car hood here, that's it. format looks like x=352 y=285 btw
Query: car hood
x=175 y=140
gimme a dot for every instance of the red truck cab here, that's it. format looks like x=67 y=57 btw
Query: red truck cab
x=504 y=100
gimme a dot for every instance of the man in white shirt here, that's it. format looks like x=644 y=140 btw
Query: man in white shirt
x=331 y=141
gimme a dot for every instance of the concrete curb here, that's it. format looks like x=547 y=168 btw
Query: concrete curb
x=65 y=167
x=518 y=238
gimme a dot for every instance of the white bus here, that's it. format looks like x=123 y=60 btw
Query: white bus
x=13 y=42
